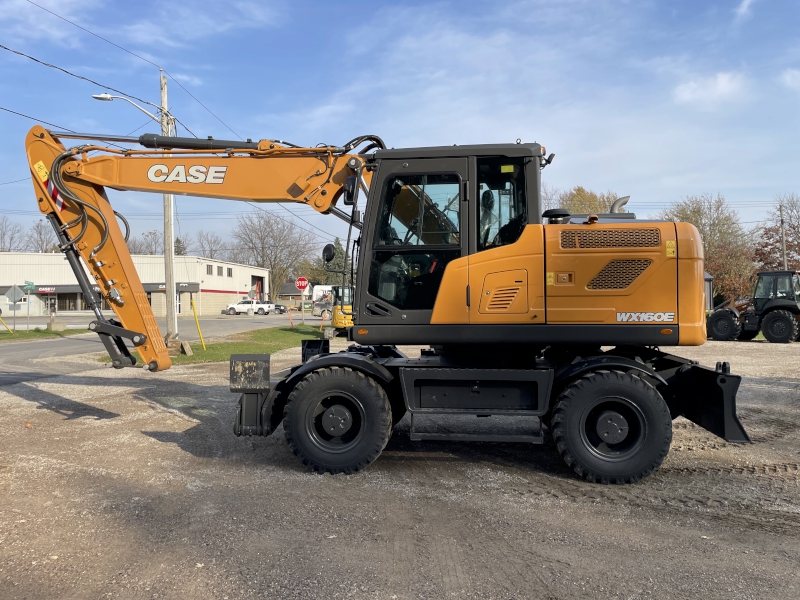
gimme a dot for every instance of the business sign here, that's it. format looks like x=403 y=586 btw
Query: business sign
x=47 y=290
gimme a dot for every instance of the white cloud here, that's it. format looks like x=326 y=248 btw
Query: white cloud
x=791 y=79
x=21 y=21
x=176 y=25
x=707 y=93
x=743 y=10
x=186 y=78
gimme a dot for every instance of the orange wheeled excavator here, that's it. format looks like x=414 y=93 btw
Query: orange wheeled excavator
x=544 y=320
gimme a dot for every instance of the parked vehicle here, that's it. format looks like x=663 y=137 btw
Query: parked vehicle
x=774 y=310
x=258 y=307
x=281 y=309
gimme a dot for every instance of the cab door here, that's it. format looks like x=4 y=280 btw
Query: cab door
x=420 y=221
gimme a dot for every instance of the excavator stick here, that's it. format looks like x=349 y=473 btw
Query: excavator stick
x=89 y=236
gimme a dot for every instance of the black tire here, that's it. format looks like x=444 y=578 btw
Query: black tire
x=343 y=398
x=630 y=409
x=747 y=334
x=260 y=311
x=231 y=311
x=780 y=327
x=723 y=326
x=326 y=315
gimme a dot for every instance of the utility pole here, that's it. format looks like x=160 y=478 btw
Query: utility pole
x=783 y=241
x=169 y=243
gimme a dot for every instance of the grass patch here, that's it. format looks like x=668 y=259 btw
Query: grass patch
x=257 y=341
x=36 y=334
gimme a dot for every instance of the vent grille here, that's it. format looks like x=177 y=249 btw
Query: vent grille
x=610 y=238
x=502 y=299
x=618 y=274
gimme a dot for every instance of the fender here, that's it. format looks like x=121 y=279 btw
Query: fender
x=353 y=360
x=575 y=370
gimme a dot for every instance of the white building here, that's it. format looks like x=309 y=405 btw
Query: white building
x=212 y=284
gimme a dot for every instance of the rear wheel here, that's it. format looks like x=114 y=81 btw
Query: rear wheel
x=261 y=311
x=326 y=315
x=747 y=334
x=611 y=427
x=337 y=420
x=231 y=311
x=780 y=327
x=723 y=326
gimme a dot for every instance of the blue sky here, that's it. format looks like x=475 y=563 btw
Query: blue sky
x=656 y=100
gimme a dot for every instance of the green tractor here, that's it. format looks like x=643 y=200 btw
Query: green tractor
x=774 y=310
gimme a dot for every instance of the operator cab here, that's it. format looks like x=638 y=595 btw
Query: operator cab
x=433 y=206
x=774 y=286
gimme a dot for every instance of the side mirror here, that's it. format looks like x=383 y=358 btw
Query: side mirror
x=328 y=252
x=351 y=190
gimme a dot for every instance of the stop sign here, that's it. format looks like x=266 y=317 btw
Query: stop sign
x=301 y=283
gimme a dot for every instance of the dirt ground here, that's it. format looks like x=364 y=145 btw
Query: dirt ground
x=126 y=484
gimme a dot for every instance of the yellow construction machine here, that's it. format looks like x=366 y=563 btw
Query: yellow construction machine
x=536 y=320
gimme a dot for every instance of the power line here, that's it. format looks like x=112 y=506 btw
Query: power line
x=15 y=181
x=167 y=73
x=35 y=119
x=63 y=70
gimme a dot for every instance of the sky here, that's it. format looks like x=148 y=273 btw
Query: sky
x=657 y=100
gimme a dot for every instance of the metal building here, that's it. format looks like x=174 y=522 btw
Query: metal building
x=212 y=284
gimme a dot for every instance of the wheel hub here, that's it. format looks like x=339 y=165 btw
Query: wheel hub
x=337 y=420
x=612 y=427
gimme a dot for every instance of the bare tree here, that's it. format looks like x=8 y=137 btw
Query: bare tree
x=728 y=247
x=151 y=242
x=768 y=247
x=41 y=237
x=12 y=236
x=209 y=244
x=271 y=243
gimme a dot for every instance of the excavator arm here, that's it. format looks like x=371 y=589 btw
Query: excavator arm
x=69 y=186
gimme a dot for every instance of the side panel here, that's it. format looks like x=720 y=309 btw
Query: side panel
x=507 y=283
x=691 y=286
x=611 y=273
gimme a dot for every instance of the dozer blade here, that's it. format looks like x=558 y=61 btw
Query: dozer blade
x=709 y=400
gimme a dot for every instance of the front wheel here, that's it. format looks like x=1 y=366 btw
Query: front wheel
x=337 y=420
x=611 y=427
x=780 y=327
x=724 y=326
x=231 y=311
x=326 y=315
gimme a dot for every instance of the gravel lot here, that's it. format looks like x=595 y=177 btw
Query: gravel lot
x=126 y=484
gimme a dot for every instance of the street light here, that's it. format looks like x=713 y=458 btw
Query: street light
x=167 y=122
x=109 y=98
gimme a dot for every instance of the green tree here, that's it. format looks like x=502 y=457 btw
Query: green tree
x=728 y=247
x=314 y=268
x=577 y=200
x=180 y=247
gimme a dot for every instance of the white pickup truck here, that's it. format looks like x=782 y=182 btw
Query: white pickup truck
x=258 y=307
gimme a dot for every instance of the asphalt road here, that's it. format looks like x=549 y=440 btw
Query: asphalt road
x=20 y=361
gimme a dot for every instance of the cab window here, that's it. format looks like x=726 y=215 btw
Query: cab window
x=420 y=210
x=764 y=287
x=501 y=201
x=784 y=288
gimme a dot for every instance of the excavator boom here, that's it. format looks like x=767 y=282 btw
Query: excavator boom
x=69 y=186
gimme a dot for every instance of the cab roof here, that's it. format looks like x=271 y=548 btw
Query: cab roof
x=454 y=151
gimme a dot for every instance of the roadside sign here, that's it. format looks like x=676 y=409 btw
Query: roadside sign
x=251 y=294
x=29 y=286
x=14 y=295
x=301 y=283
